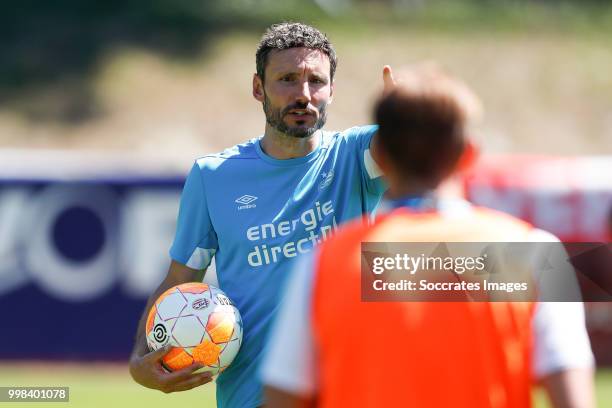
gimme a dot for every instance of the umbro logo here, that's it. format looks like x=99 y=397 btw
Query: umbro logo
x=246 y=201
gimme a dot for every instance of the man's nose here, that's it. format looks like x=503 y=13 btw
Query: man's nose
x=303 y=94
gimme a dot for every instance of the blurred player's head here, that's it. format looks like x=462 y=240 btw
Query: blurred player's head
x=422 y=134
x=296 y=64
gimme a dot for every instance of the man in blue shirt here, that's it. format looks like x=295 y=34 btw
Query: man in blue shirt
x=257 y=206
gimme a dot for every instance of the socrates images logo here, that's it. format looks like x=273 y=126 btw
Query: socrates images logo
x=246 y=201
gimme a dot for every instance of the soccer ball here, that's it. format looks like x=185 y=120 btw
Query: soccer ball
x=202 y=324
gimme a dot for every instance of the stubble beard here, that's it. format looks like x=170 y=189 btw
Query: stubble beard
x=274 y=117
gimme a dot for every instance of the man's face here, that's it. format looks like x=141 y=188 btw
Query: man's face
x=296 y=90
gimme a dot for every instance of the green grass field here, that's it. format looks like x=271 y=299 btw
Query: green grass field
x=102 y=386
x=105 y=386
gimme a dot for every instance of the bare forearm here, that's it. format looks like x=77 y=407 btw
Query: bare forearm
x=140 y=343
x=570 y=388
x=145 y=367
x=276 y=398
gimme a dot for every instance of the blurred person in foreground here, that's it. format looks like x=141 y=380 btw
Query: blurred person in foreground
x=257 y=206
x=330 y=349
x=610 y=224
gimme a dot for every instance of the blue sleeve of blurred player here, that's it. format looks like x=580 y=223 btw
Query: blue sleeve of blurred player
x=195 y=241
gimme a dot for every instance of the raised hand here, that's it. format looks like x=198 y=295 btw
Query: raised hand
x=388 y=80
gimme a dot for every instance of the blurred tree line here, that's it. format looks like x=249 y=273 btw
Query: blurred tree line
x=46 y=42
x=43 y=42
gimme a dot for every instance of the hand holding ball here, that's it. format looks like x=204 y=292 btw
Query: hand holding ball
x=200 y=322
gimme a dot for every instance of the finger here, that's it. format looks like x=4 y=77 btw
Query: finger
x=195 y=381
x=158 y=354
x=388 y=79
x=184 y=373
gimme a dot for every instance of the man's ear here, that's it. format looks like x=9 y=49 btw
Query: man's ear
x=258 y=89
x=470 y=155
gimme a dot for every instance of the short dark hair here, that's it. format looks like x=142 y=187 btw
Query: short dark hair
x=422 y=128
x=293 y=35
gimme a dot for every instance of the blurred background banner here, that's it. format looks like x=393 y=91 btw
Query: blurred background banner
x=80 y=252
x=570 y=197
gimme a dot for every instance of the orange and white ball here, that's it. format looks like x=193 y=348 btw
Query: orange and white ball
x=200 y=322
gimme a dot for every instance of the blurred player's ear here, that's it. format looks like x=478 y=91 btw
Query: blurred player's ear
x=470 y=155
x=258 y=90
x=382 y=159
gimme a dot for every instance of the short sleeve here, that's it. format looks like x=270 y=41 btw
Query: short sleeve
x=195 y=241
x=561 y=341
x=370 y=172
x=289 y=359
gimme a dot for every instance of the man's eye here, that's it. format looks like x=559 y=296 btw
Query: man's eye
x=317 y=81
x=286 y=79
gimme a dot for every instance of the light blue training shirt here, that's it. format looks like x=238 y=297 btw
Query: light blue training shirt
x=256 y=215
